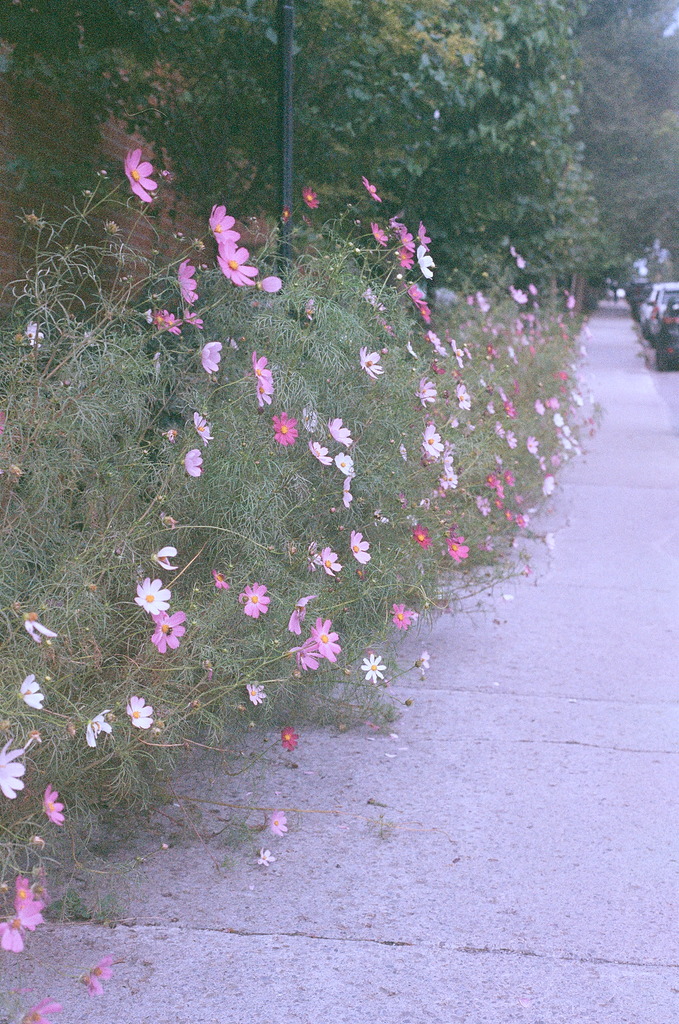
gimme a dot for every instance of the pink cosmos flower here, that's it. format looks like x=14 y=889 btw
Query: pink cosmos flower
x=403 y=617
x=532 y=444
x=137 y=172
x=370 y=362
x=24 y=893
x=27 y=917
x=539 y=407
x=329 y=562
x=325 y=639
x=140 y=713
x=220 y=580
x=289 y=738
x=307 y=655
x=10 y=772
x=341 y=434
x=165 y=321
x=221 y=226
x=278 y=823
x=210 y=356
x=405 y=258
x=193 y=462
x=372 y=189
x=35 y=629
x=256 y=693
x=570 y=302
x=519 y=297
x=203 y=428
x=299 y=614
x=436 y=342
x=270 y=284
x=426 y=392
x=483 y=505
x=421 y=535
x=320 y=453
x=187 y=284
x=152 y=596
x=422 y=235
x=432 y=445
x=417 y=295
x=51 y=806
x=360 y=548
x=310 y=198
x=36 y=1014
x=264 y=379
x=285 y=429
x=380 y=236
x=168 y=630
x=345 y=464
x=256 y=602
x=102 y=970
x=457 y=549
x=510 y=437
x=532 y=289
x=520 y=261
x=347 y=496
x=232 y=264
x=484 y=304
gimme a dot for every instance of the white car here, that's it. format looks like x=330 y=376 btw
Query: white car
x=650 y=311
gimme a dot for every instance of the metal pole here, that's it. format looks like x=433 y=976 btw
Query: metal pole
x=286 y=21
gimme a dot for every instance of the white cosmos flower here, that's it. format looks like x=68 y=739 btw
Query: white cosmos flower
x=141 y=714
x=36 y=629
x=425 y=261
x=345 y=464
x=30 y=693
x=255 y=693
x=426 y=392
x=10 y=771
x=97 y=725
x=320 y=453
x=431 y=442
x=152 y=597
x=265 y=857
x=373 y=667
x=370 y=362
x=163 y=557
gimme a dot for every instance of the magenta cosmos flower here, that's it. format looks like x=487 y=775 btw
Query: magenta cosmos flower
x=421 y=535
x=402 y=617
x=417 y=295
x=310 y=198
x=52 y=807
x=193 y=462
x=360 y=548
x=380 y=236
x=187 y=283
x=325 y=639
x=166 y=321
x=255 y=600
x=221 y=225
x=210 y=356
x=168 y=630
x=26 y=918
x=220 y=580
x=457 y=549
x=137 y=172
x=285 y=429
x=102 y=970
x=372 y=190
x=231 y=260
x=289 y=738
x=36 y=1015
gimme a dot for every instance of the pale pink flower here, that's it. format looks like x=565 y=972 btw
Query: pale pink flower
x=532 y=444
x=299 y=614
x=372 y=189
x=370 y=362
x=381 y=237
x=483 y=505
x=570 y=302
x=360 y=548
x=210 y=356
x=203 y=428
x=403 y=617
x=255 y=600
x=484 y=304
x=256 y=693
x=163 y=557
x=10 y=771
x=532 y=289
x=31 y=694
x=264 y=379
x=552 y=403
x=221 y=226
x=231 y=261
x=539 y=407
x=140 y=713
x=431 y=443
x=347 y=496
x=499 y=429
x=320 y=453
x=436 y=342
x=165 y=321
x=169 y=629
x=307 y=655
x=36 y=1015
x=152 y=596
x=310 y=198
x=520 y=261
x=422 y=235
x=448 y=479
x=35 y=629
x=510 y=437
x=220 y=580
x=329 y=562
x=463 y=397
x=285 y=429
x=341 y=434
x=187 y=284
x=345 y=464
x=548 y=486
x=519 y=297
x=325 y=639
x=426 y=392
x=265 y=857
x=271 y=284
x=278 y=823
x=193 y=462
x=52 y=807
x=92 y=980
x=138 y=172
x=26 y=918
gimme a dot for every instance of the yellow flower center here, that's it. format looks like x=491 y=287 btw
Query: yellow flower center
x=165 y=628
x=32 y=617
x=50 y=807
x=400 y=616
x=22 y=894
x=283 y=428
x=135 y=714
x=324 y=638
x=233 y=264
x=355 y=548
x=16 y=923
x=218 y=229
x=150 y=598
x=254 y=599
x=136 y=175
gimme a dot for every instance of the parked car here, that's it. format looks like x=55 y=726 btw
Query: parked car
x=637 y=291
x=667 y=341
x=650 y=310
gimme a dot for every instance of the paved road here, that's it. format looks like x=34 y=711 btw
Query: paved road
x=526 y=867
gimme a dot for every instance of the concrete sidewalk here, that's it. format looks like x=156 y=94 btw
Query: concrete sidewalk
x=525 y=868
